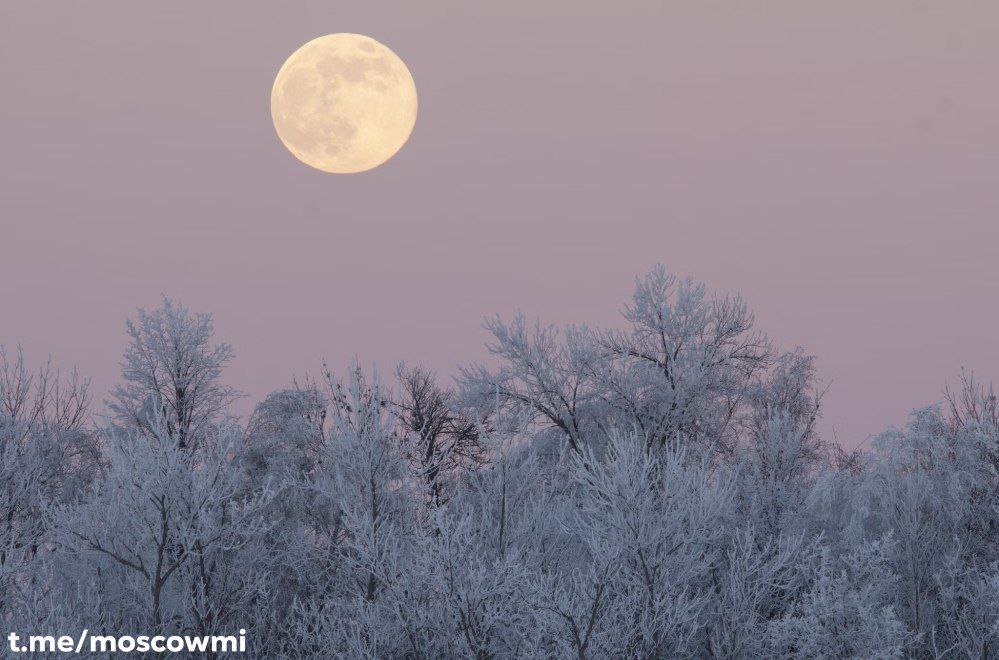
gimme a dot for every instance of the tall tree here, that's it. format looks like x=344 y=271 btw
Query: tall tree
x=47 y=455
x=172 y=369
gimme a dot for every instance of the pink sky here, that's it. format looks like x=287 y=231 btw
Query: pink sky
x=837 y=163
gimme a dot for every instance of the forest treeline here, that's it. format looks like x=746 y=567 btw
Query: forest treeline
x=656 y=490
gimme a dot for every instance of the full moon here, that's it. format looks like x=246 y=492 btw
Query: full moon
x=343 y=103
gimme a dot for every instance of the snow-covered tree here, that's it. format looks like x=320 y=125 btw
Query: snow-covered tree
x=686 y=363
x=658 y=489
x=172 y=369
x=47 y=455
x=681 y=371
x=847 y=611
x=166 y=539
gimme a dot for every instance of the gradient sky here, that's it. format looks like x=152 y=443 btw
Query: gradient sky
x=835 y=162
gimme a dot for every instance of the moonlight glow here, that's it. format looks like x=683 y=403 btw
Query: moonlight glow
x=343 y=103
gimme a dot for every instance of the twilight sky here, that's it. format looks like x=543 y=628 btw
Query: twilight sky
x=835 y=162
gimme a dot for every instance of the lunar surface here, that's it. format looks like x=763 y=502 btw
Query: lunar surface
x=344 y=103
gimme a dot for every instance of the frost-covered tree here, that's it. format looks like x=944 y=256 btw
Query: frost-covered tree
x=653 y=525
x=543 y=373
x=932 y=487
x=686 y=364
x=166 y=542
x=756 y=582
x=847 y=610
x=366 y=528
x=658 y=489
x=681 y=371
x=286 y=433
x=780 y=451
x=47 y=455
x=172 y=369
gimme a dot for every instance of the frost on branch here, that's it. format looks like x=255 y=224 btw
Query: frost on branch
x=656 y=489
